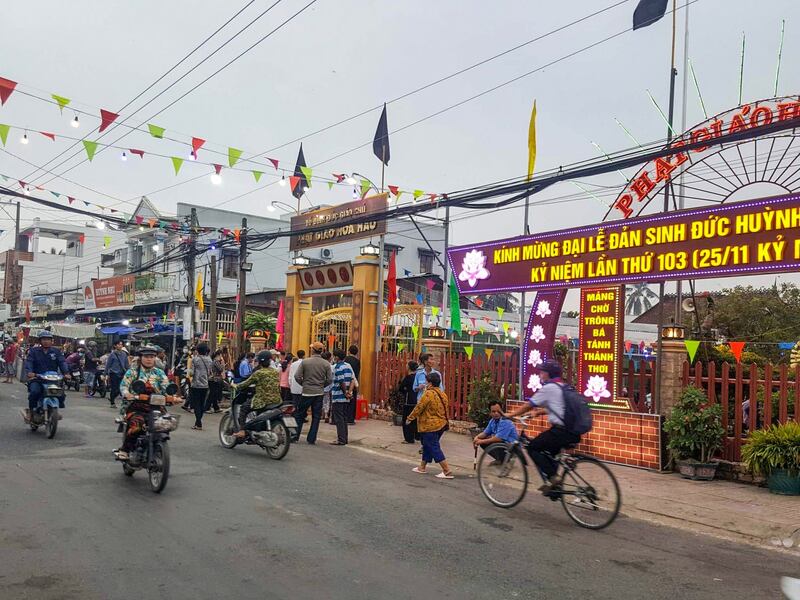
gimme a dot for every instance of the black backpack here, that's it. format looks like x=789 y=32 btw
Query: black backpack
x=577 y=412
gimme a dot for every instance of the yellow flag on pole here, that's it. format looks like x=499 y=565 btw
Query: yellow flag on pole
x=198 y=293
x=532 y=142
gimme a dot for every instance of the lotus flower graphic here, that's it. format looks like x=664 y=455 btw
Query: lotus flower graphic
x=596 y=388
x=535 y=358
x=537 y=333
x=543 y=309
x=534 y=383
x=473 y=268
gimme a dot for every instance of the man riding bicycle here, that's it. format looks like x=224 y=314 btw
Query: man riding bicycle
x=40 y=360
x=549 y=400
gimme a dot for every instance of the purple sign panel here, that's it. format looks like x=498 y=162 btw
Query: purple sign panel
x=744 y=238
x=539 y=337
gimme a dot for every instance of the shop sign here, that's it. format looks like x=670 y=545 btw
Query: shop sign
x=339 y=224
x=111 y=292
x=600 y=334
x=743 y=238
x=336 y=275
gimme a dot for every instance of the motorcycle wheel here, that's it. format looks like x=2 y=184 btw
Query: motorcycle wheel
x=159 y=472
x=52 y=422
x=128 y=470
x=282 y=433
x=226 y=438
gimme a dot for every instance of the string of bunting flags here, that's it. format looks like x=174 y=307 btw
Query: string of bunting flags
x=736 y=347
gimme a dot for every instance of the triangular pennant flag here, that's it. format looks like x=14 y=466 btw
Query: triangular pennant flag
x=628 y=345
x=394 y=189
x=47 y=134
x=472 y=320
x=786 y=345
x=156 y=131
x=481 y=329
x=274 y=162
x=293 y=181
x=505 y=327
x=691 y=348
x=430 y=283
x=415 y=331
x=417 y=194
x=140 y=153
x=139 y=219
x=365 y=185
x=407 y=272
x=22 y=184
x=532 y=143
x=91 y=148
x=489 y=352
x=106 y=241
x=455 y=307
x=433 y=197
x=468 y=350
x=70 y=199
x=500 y=312
x=397 y=329
x=106 y=118
x=479 y=303
x=82 y=238
x=736 y=350
x=400 y=346
x=330 y=185
x=219 y=337
x=435 y=311
x=4 y=129
x=257 y=175
x=233 y=156
x=151 y=222
x=197 y=143
x=6 y=87
x=217 y=168
x=56 y=194
x=62 y=102
x=177 y=163
x=420 y=298
x=306 y=171
x=382 y=328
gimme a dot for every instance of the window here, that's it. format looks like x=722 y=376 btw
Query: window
x=426 y=260
x=230 y=265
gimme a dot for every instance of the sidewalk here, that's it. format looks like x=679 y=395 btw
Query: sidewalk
x=721 y=508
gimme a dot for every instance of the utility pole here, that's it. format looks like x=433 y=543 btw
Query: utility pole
x=212 y=317
x=190 y=266
x=445 y=273
x=16 y=229
x=240 y=309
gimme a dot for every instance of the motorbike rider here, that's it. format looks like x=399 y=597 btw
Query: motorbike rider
x=137 y=407
x=41 y=359
x=267 y=393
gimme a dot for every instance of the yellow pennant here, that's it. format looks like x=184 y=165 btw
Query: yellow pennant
x=198 y=293
x=532 y=142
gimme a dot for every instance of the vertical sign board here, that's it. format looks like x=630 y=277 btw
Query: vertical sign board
x=602 y=321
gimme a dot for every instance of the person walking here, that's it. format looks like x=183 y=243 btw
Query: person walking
x=427 y=365
x=406 y=388
x=326 y=393
x=116 y=367
x=199 y=372
x=343 y=388
x=10 y=355
x=431 y=415
x=314 y=374
x=215 y=382
x=355 y=363
x=90 y=367
x=295 y=389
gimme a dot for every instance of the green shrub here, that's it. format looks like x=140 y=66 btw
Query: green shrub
x=483 y=392
x=694 y=427
x=776 y=447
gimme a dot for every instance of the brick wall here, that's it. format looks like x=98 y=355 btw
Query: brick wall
x=617 y=436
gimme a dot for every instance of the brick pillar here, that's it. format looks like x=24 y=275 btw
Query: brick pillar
x=673 y=354
x=365 y=321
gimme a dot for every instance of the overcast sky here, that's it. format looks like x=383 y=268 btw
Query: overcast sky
x=341 y=57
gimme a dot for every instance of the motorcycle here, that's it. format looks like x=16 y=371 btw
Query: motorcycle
x=275 y=427
x=77 y=379
x=152 y=448
x=100 y=384
x=46 y=412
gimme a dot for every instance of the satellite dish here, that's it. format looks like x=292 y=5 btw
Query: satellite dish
x=688 y=305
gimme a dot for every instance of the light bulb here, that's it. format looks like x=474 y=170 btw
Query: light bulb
x=155 y=247
x=271 y=208
x=24 y=139
x=141 y=228
x=283 y=181
x=75 y=123
x=125 y=322
x=305 y=189
x=351 y=180
x=355 y=194
x=192 y=155
x=216 y=179
x=100 y=225
x=124 y=156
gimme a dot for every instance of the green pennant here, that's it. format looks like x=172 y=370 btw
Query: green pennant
x=106 y=241
x=177 y=163
x=691 y=348
x=500 y=311
x=91 y=148
x=306 y=171
x=455 y=307
x=156 y=131
x=415 y=331
x=4 y=129
x=257 y=175
x=62 y=102
x=56 y=194
x=417 y=194
x=233 y=156
x=365 y=185
x=401 y=346
x=469 y=350
x=435 y=311
x=330 y=185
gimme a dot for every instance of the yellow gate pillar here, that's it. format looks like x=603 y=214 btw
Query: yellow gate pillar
x=297 y=315
x=364 y=324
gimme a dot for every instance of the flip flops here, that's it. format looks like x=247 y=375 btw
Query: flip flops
x=418 y=470
x=444 y=475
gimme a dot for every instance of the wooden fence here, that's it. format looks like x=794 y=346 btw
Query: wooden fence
x=742 y=392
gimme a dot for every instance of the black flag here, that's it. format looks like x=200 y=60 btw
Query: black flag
x=648 y=12
x=303 y=183
x=380 y=145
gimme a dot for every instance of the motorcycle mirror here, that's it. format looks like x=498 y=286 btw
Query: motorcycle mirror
x=138 y=387
x=172 y=389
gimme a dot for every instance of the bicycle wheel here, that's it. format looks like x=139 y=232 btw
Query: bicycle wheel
x=505 y=482
x=590 y=493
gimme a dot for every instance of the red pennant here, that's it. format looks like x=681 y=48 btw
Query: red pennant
x=22 y=184
x=293 y=181
x=226 y=232
x=472 y=320
x=736 y=350
x=106 y=118
x=430 y=283
x=52 y=136
x=339 y=177
x=197 y=143
x=391 y=282
x=139 y=219
x=70 y=199
x=6 y=87
x=140 y=153
x=394 y=189
x=217 y=168
x=174 y=225
x=113 y=210
x=152 y=222
x=274 y=162
x=478 y=302
x=628 y=345
x=38 y=187
x=507 y=353
x=82 y=238
x=433 y=197
x=237 y=233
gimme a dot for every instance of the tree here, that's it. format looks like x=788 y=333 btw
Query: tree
x=255 y=320
x=639 y=299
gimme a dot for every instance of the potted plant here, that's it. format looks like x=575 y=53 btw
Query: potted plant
x=775 y=453
x=483 y=392
x=695 y=433
x=396 y=402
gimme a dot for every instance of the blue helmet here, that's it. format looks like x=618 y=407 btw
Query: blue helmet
x=45 y=334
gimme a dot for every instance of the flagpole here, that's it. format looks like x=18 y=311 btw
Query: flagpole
x=380 y=266
x=685 y=85
x=522 y=328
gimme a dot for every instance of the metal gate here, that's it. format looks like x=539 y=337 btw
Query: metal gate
x=332 y=328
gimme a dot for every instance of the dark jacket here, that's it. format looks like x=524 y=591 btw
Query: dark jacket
x=314 y=374
x=40 y=360
x=117 y=363
x=407 y=389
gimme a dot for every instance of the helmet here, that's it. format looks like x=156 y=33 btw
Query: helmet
x=45 y=334
x=147 y=351
x=551 y=367
x=264 y=357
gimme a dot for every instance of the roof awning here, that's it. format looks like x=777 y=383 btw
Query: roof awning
x=120 y=330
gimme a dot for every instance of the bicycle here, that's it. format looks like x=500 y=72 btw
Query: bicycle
x=589 y=492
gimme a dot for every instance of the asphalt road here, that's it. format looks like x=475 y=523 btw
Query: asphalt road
x=326 y=522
